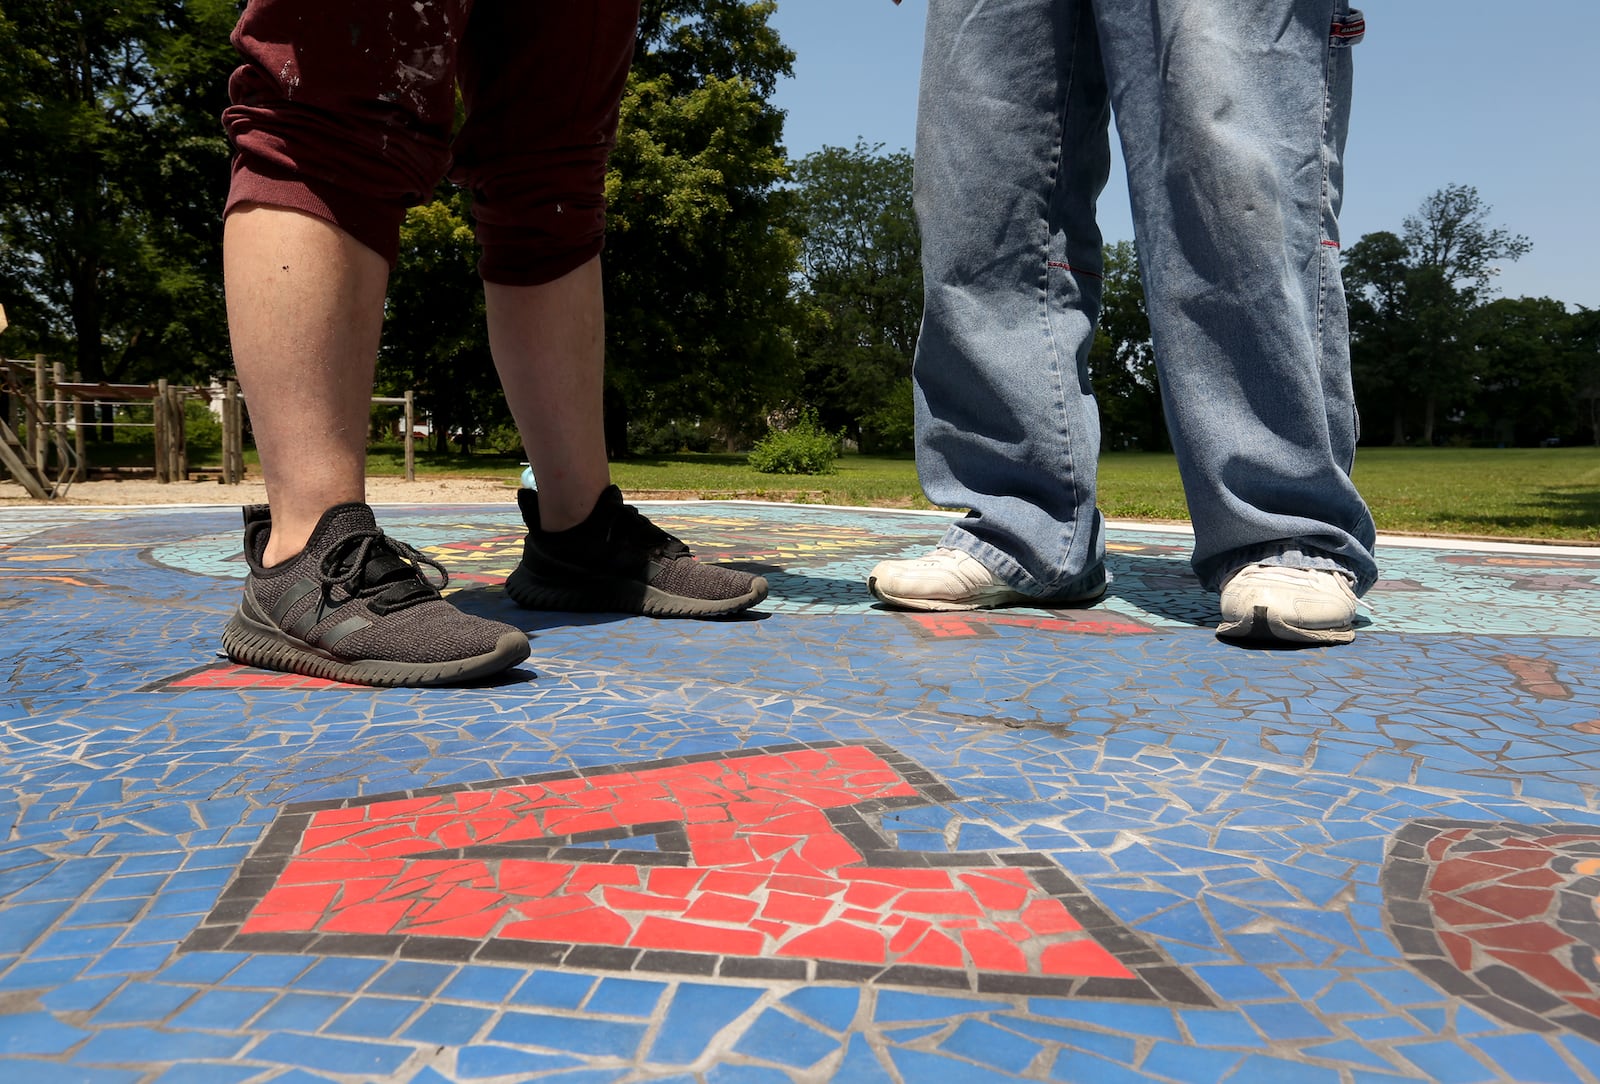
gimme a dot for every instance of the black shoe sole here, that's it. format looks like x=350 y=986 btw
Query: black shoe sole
x=249 y=643
x=575 y=593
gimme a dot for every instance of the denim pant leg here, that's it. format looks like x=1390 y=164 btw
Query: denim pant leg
x=1012 y=150
x=1232 y=117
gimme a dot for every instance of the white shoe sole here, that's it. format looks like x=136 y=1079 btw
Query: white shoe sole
x=1263 y=626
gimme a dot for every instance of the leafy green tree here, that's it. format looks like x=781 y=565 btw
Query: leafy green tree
x=862 y=275
x=113 y=169
x=1584 y=338
x=1122 y=361
x=1528 y=391
x=1413 y=307
x=435 y=340
x=700 y=245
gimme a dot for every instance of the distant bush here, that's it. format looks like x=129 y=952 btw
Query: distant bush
x=892 y=427
x=201 y=430
x=802 y=448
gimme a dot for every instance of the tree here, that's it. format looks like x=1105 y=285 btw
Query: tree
x=862 y=287
x=1122 y=360
x=700 y=242
x=435 y=340
x=1529 y=385
x=113 y=169
x=1417 y=297
x=1584 y=339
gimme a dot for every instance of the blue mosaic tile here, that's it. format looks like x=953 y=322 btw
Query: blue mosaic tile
x=447 y=1025
x=48 y=1070
x=142 y=1003
x=1258 y=1069
x=554 y=989
x=1231 y=814
x=480 y=1062
x=330 y=1055
x=568 y=1033
x=625 y=997
x=372 y=1018
x=299 y=1012
x=135 y=1045
x=1445 y=1062
x=1174 y=1062
x=412 y=979
x=780 y=1038
x=207 y=1073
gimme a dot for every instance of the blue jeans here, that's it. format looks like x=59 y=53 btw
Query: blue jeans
x=1232 y=116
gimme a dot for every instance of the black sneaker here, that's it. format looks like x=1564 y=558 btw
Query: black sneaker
x=356 y=605
x=617 y=561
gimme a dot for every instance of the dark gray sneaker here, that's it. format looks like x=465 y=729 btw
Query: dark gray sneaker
x=356 y=605
x=617 y=561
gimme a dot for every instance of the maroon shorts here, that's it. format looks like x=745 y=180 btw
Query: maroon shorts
x=345 y=109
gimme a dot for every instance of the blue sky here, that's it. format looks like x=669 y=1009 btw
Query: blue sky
x=1501 y=96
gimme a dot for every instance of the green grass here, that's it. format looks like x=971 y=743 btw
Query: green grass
x=1551 y=494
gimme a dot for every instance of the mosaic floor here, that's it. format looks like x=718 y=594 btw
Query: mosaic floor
x=820 y=842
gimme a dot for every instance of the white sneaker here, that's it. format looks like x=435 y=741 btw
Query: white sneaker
x=1290 y=605
x=948 y=579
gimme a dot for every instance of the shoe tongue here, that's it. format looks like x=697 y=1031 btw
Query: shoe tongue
x=337 y=524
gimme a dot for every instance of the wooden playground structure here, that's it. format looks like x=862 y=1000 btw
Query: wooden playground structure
x=44 y=417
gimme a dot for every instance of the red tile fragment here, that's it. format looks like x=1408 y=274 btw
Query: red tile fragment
x=715 y=907
x=803 y=910
x=1522 y=937
x=1546 y=970
x=590 y=926
x=665 y=933
x=839 y=941
x=1049 y=916
x=994 y=894
x=940 y=903
x=1517 y=903
x=674 y=880
x=367 y=918
x=625 y=899
x=1459 y=948
x=1083 y=957
x=993 y=951
x=1457 y=913
x=1460 y=873
x=935 y=949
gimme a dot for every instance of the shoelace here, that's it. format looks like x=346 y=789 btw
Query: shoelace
x=370 y=564
x=629 y=526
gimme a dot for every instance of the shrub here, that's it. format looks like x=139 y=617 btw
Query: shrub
x=892 y=427
x=201 y=430
x=803 y=448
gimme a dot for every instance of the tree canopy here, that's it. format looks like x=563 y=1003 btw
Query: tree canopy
x=700 y=243
x=112 y=172
x=861 y=281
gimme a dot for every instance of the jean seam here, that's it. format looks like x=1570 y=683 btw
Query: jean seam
x=1064 y=426
x=1324 y=203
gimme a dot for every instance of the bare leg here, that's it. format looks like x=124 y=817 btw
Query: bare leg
x=548 y=343
x=305 y=313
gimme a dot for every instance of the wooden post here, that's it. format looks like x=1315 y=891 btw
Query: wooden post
x=180 y=427
x=158 y=416
x=37 y=443
x=411 y=458
x=237 y=409
x=227 y=478
x=81 y=471
x=58 y=373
